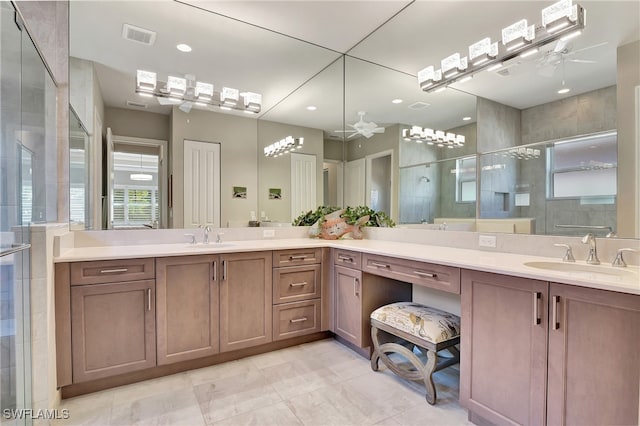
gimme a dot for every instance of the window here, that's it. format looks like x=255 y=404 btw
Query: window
x=465 y=180
x=134 y=206
x=583 y=167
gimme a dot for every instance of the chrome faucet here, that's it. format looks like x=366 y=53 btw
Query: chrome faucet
x=219 y=237
x=619 y=260
x=205 y=237
x=568 y=255
x=592 y=258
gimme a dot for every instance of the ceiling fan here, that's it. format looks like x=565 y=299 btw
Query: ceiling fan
x=563 y=51
x=362 y=128
x=184 y=105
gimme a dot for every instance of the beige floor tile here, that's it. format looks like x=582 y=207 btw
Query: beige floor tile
x=126 y=394
x=441 y=414
x=230 y=396
x=272 y=359
x=298 y=377
x=91 y=409
x=220 y=371
x=276 y=415
x=142 y=410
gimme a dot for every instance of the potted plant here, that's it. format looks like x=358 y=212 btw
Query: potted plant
x=332 y=223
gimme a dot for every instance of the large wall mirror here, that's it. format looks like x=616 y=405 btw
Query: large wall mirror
x=509 y=175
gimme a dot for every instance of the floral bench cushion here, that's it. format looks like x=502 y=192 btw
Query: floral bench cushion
x=430 y=324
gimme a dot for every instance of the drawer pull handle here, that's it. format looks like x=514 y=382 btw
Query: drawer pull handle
x=113 y=271
x=215 y=271
x=425 y=274
x=298 y=284
x=537 y=296
x=149 y=299
x=303 y=319
x=345 y=258
x=298 y=257
x=380 y=265
x=224 y=270
x=356 y=287
x=554 y=312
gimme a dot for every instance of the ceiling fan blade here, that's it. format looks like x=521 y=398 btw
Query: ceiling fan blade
x=582 y=61
x=168 y=101
x=378 y=130
x=560 y=46
x=593 y=46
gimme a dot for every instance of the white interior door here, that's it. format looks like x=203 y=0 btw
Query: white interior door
x=354 y=183
x=96 y=165
x=303 y=183
x=201 y=184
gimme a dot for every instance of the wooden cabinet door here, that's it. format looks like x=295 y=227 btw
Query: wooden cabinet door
x=348 y=288
x=503 y=344
x=112 y=329
x=594 y=344
x=187 y=307
x=245 y=300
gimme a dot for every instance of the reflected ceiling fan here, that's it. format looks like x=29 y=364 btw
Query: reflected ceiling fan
x=362 y=128
x=563 y=51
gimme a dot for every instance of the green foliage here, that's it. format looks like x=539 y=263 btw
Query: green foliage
x=312 y=216
x=351 y=215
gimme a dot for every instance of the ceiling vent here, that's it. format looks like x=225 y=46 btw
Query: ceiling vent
x=419 y=105
x=136 y=104
x=139 y=35
x=504 y=73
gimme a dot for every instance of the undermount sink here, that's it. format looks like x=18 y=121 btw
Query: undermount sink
x=587 y=271
x=210 y=245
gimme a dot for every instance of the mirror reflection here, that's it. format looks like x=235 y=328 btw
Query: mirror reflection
x=366 y=102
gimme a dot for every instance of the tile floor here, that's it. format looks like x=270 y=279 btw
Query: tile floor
x=319 y=383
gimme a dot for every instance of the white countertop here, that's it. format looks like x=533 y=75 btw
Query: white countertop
x=605 y=277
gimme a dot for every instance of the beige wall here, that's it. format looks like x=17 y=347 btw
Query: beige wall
x=389 y=140
x=275 y=172
x=138 y=124
x=628 y=139
x=239 y=161
x=333 y=149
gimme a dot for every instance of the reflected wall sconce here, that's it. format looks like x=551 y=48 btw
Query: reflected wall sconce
x=433 y=137
x=522 y=153
x=561 y=20
x=188 y=90
x=283 y=146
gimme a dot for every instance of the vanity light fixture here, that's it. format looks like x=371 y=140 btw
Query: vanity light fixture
x=561 y=20
x=189 y=91
x=433 y=137
x=283 y=146
x=522 y=153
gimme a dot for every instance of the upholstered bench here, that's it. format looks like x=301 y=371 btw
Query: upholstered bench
x=401 y=327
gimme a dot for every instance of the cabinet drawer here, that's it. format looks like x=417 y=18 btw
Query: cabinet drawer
x=297 y=257
x=111 y=271
x=296 y=283
x=296 y=319
x=350 y=259
x=439 y=277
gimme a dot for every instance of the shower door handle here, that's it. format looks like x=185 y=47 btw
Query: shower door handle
x=15 y=248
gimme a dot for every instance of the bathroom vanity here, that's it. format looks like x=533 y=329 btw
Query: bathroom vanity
x=539 y=346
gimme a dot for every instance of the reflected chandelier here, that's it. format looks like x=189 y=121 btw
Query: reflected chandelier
x=283 y=146
x=433 y=137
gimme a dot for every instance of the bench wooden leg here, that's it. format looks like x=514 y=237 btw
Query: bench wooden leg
x=429 y=368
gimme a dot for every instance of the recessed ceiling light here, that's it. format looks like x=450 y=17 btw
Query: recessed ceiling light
x=466 y=118
x=184 y=47
x=312 y=107
x=564 y=90
x=396 y=101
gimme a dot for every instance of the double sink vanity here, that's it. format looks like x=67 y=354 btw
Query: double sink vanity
x=542 y=341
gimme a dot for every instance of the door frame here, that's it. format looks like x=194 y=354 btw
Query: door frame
x=339 y=179
x=163 y=149
x=367 y=180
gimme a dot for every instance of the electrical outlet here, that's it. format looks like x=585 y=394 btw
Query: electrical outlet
x=268 y=233
x=487 y=241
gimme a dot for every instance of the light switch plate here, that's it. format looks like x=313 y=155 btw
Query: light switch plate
x=487 y=241
x=268 y=233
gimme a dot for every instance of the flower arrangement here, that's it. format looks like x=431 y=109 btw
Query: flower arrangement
x=332 y=223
